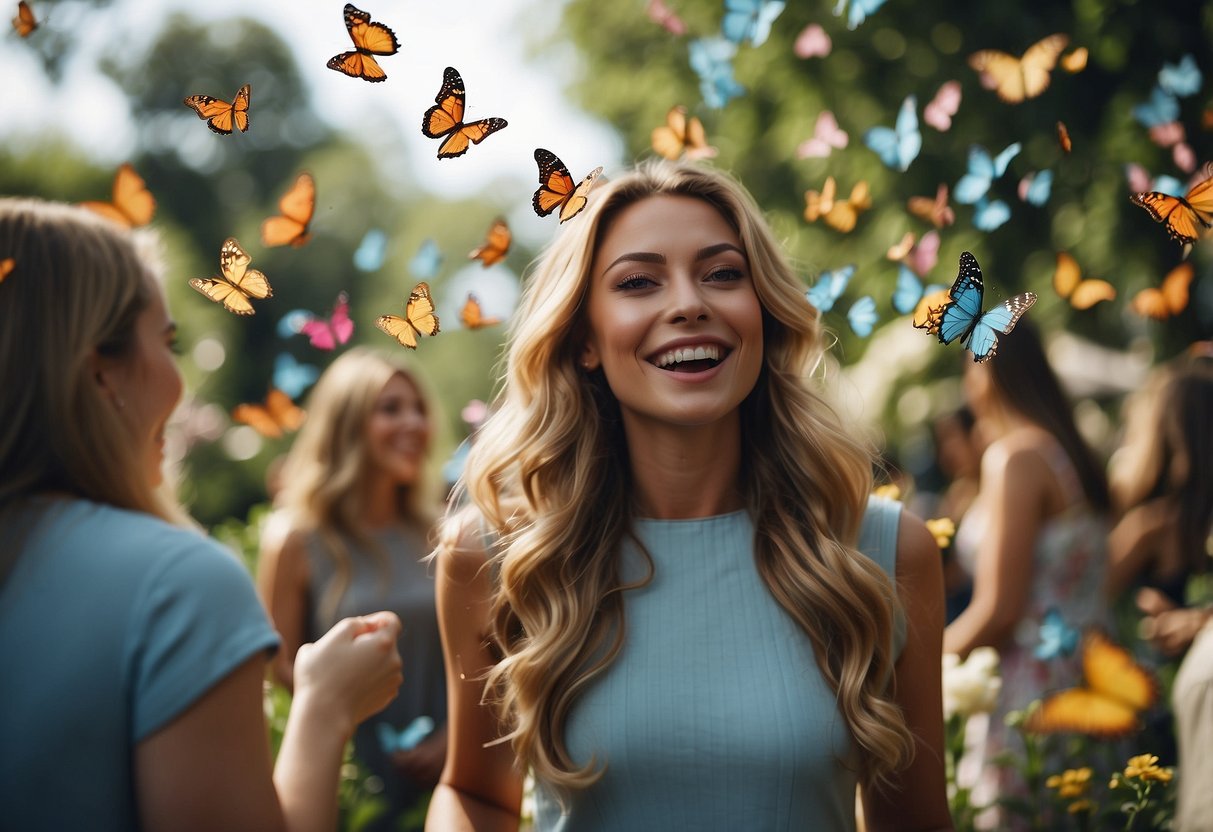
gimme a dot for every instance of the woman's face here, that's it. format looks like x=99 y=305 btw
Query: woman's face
x=674 y=321
x=398 y=432
x=146 y=382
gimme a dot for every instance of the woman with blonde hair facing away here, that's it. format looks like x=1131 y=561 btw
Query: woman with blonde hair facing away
x=351 y=535
x=671 y=597
x=134 y=649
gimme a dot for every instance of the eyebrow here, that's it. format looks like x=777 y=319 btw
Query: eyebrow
x=653 y=257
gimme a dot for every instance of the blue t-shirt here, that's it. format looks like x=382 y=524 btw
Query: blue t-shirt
x=112 y=623
x=714 y=715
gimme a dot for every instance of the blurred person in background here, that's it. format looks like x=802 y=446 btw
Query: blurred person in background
x=134 y=648
x=1035 y=538
x=349 y=534
x=958 y=456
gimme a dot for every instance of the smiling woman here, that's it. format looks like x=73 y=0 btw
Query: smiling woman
x=690 y=618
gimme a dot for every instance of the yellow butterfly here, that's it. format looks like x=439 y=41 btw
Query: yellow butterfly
x=1117 y=690
x=1082 y=293
x=1170 y=298
x=222 y=117
x=496 y=244
x=237 y=283
x=1015 y=79
x=681 y=135
x=839 y=214
x=277 y=416
x=133 y=204
x=472 y=317
x=297 y=206
x=419 y=318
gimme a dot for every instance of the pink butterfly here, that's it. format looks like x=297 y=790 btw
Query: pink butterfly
x=826 y=137
x=1172 y=135
x=921 y=258
x=665 y=17
x=327 y=334
x=938 y=113
x=813 y=42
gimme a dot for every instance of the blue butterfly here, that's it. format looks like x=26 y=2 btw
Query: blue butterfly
x=292 y=322
x=898 y=146
x=961 y=317
x=982 y=172
x=1162 y=108
x=1168 y=185
x=1036 y=188
x=392 y=740
x=750 y=20
x=862 y=316
x=712 y=60
x=860 y=9
x=1182 y=79
x=989 y=214
x=910 y=290
x=1056 y=637
x=369 y=255
x=292 y=377
x=829 y=287
x=427 y=261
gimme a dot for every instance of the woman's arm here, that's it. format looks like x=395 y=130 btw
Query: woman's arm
x=1132 y=545
x=917 y=798
x=481 y=787
x=282 y=583
x=1015 y=481
x=210 y=768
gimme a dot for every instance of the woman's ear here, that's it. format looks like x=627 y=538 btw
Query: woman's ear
x=104 y=371
x=589 y=356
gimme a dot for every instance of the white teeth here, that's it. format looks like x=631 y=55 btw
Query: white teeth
x=681 y=354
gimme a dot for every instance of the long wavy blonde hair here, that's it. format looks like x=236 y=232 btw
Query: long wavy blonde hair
x=77 y=288
x=330 y=459
x=549 y=475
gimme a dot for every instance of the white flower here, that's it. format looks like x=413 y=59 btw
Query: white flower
x=971 y=687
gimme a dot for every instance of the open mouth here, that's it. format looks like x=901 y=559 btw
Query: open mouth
x=691 y=359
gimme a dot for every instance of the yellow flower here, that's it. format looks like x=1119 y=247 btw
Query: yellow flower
x=1083 y=805
x=889 y=490
x=1073 y=782
x=943 y=529
x=1145 y=766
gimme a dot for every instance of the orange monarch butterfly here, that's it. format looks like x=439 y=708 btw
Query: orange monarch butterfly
x=297 y=207
x=1170 y=298
x=496 y=244
x=471 y=315
x=1015 y=79
x=237 y=283
x=419 y=318
x=1117 y=690
x=556 y=188
x=6 y=267
x=25 y=23
x=277 y=416
x=445 y=118
x=681 y=135
x=935 y=211
x=133 y=204
x=221 y=116
x=370 y=39
x=1082 y=293
x=1185 y=217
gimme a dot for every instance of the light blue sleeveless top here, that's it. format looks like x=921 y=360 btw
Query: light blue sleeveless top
x=714 y=715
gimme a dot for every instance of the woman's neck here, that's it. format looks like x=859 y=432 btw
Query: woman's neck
x=380 y=506
x=681 y=472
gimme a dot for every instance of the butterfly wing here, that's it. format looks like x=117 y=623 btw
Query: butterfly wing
x=899 y=146
x=297 y=207
x=938 y=113
x=829 y=287
x=293 y=377
x=427 y=261
x=357 y=65
x=496 y=244
x=862 y=316
x=670 y=139
x=6 y=267
x=908 y=291
x=555 y=183
x=370 y=39
x=233 y=264
x=1036 y=187
x=24 y=23
x=983 y=338
x=1181 y=219
x=399 y=328
x=1038 y=62
x=935 y=211
x=340 y=321
x=420 y=310
x=965 y=298
x=1170 y=298
x=222 y=117
x=133 y=204
x=990 y=214
x=1082 y=711
x=977 y=180
x=220 y=291
x=446 y=116
x=285 y=413
x=580 y=196
x=1111 y=670
x=259 y=418
x=1069 y=284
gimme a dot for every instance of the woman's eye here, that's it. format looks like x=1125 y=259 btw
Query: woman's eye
x=725 y=274
x=634 y=282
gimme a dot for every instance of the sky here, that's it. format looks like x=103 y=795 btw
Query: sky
x=488 y=41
